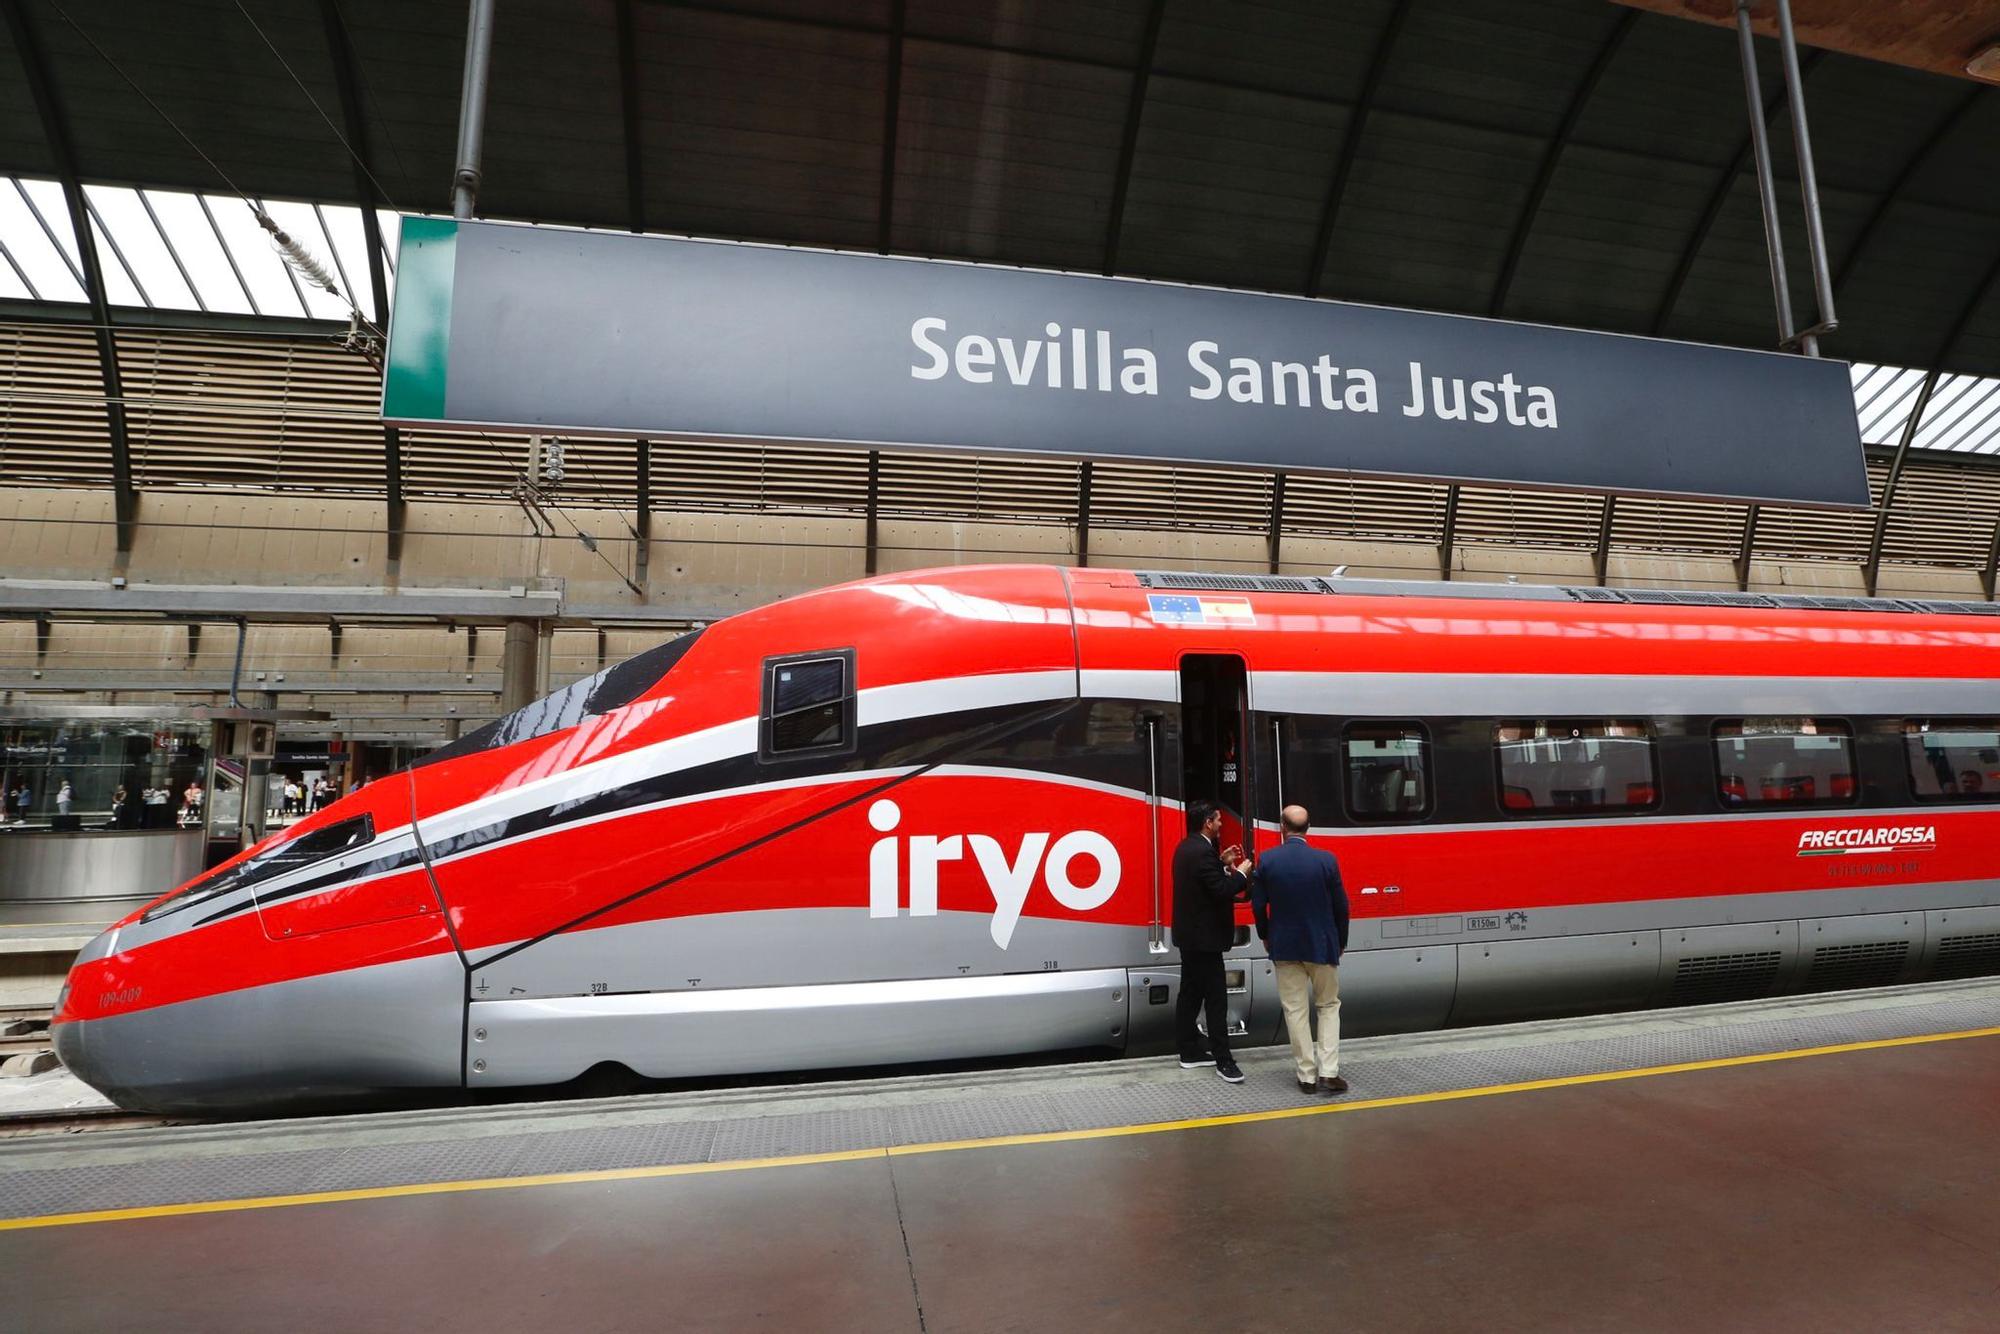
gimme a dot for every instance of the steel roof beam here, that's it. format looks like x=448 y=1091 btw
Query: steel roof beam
x=190 y=321
x=1981 y=290
x=172 y=253
x=1128 y=144
x=116 y=253
x=1746 y=550
x=1350 y=144
x=55 y=242
x=19 y=272
x=1448 y=534
x=1872 y=566
x=340 y=51
x=628 y=99
x=1600 y=561
x=642 y=532
x=1531 y=210
x=55 y=129
x=222 y=242
x=1275 y=538
x=1083 y=482
x=872 y=520
x=892 y=113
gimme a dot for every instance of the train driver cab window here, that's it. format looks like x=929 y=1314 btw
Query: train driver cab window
x=1386 y=774
x=1575 y=766
x=1784 y=762
x=1953 y=759
x=288 y=854
x=808 y=704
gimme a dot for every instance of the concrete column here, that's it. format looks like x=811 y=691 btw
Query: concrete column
x=517 y=666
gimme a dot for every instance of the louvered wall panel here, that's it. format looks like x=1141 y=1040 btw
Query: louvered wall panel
x=453 y=464
x=1694 y=527
x=212 y=411
x=1017 y=490
x=1364 y=508
x=52 y=423
x=1125 y=495
x=1488 y=516
x=1944 y=514
x=1836 y=535
x=708 y=478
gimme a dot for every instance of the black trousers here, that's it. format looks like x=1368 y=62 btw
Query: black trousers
x=1202 y=988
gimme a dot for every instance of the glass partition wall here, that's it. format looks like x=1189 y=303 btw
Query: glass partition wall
x=124 y=773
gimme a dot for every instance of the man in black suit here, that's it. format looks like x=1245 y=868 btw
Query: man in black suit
x=1207 y=885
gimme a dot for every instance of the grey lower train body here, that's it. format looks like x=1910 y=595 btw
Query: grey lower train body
x=751 y=993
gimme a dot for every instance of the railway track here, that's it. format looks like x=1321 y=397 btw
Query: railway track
x=24 y=1032
x=77 y=1120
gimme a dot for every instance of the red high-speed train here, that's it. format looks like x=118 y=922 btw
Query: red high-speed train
x=928 y=816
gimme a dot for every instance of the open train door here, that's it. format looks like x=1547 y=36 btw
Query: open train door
x=1216 y=764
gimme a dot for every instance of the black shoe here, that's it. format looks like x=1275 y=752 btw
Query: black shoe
x=1333 y=1086
x=1197 y=1061
x=1308 y=1086
x=1229 y=1071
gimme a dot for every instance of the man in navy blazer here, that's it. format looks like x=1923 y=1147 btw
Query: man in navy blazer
x=1301 y=911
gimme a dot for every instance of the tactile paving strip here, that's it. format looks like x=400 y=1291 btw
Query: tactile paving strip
x=122 y=1170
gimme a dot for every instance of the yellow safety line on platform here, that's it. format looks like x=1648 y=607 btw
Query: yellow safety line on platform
x=953 y=1146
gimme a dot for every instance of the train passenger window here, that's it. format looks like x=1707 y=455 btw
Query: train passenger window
x=1784 y=761
x=1387 y=772
x=1954 y=759
x=808 y=704
x=1575 y=766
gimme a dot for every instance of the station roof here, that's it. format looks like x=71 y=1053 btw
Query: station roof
x=1576 y=162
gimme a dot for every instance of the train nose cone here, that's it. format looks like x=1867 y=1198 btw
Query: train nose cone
x=84 y=1046
x=73 y=1049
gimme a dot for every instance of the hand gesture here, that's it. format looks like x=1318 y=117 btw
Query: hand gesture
x=1232 y=854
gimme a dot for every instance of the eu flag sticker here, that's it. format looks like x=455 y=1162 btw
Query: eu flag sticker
x=1175 y=608
x=1190 y=609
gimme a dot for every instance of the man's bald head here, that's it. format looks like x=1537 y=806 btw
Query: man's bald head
x=1295 y=819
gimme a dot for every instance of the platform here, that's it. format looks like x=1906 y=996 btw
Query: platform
x=1827 y=1160
x=35 y=958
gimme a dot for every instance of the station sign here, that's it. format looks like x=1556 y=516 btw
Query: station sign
x=553 y=330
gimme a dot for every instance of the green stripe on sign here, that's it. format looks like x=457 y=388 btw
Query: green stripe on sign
x=420 y=320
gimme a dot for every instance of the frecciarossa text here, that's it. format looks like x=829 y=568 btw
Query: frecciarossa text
x=1086 y=359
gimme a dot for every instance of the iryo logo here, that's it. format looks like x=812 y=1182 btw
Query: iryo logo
x=1007 y=880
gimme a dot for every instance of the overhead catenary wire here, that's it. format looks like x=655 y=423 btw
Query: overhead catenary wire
x=294 y=255
x=533 y=501
x=158 y=110
x=301 y=84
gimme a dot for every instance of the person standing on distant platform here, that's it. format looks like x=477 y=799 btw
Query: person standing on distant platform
x=1207 y=884
x=1301 y=911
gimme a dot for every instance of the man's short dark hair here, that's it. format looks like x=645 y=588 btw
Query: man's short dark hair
x=1199 y=813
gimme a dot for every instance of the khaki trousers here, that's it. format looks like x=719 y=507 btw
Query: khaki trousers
x=1319 y=984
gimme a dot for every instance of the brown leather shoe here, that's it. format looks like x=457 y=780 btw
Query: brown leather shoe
x=1308 y=1086
x=1333 y=1086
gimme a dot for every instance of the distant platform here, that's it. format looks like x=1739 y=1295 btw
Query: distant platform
x=1823 y=1160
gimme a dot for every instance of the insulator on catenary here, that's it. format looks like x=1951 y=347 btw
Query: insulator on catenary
x=298 y=256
